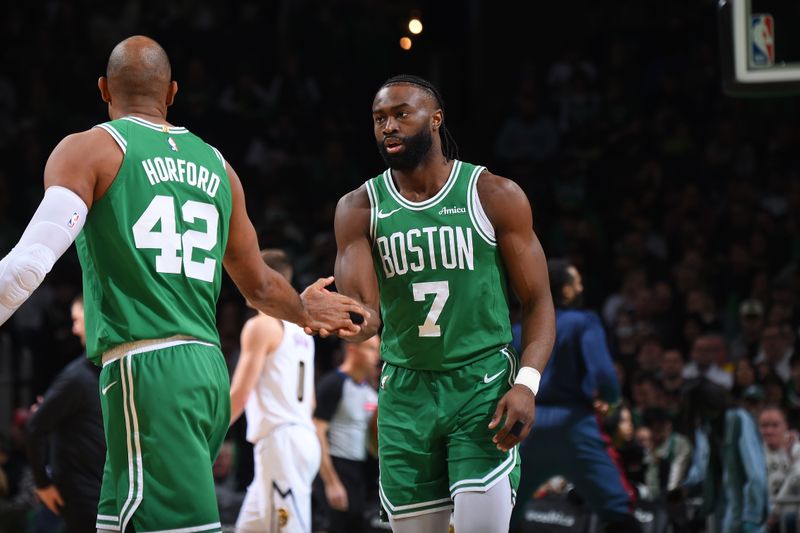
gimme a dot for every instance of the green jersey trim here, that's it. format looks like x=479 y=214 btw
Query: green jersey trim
x=489 y=480
x=156 y=127
x=435 y=199
x=373 y=209
x=118 y=138
x=413 y=509
x=477 y=215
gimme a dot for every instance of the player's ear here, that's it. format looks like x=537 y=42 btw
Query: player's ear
x=437 y=119
x=102 y=84
x=172 y=90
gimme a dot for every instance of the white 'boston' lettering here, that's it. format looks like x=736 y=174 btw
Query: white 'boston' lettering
x=429 y=231
x=404 y=251
x=447 y=244
x=386 y=260
x=464 y=246
x=397 y=243
x=414 y=249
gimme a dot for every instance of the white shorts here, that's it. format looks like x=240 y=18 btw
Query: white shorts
x=279 y=498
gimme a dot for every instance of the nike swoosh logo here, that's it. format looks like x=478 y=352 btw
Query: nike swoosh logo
x=487 y=379
x=381 y=214
x=105 y=389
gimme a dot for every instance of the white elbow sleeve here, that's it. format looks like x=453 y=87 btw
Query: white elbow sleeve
x=53 y=228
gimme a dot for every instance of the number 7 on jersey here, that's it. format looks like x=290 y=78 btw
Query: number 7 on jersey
x=441 y=290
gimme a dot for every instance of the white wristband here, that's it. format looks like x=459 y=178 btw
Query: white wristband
x=530 y=377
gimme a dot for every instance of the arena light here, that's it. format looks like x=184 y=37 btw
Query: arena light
x=405 y=43
x=415 y=26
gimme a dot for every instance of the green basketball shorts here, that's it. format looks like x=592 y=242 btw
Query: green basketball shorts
x=166 y=410
x=433 y=435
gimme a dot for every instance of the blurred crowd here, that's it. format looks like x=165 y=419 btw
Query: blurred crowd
x=680 y=206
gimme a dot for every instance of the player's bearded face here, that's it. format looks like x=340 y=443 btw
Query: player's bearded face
x=414 y=150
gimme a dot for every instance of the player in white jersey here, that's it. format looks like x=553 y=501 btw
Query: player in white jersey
x=274 y=384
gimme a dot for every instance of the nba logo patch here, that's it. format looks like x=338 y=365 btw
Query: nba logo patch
x=762 y=33
x=73 y=220
x=172 y=145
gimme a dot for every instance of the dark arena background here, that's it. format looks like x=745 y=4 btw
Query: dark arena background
x=668 y=179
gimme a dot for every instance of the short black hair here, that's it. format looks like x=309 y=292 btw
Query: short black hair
x=558 y=272
x=449 y=146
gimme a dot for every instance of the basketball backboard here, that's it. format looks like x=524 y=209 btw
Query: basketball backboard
x=760 y=47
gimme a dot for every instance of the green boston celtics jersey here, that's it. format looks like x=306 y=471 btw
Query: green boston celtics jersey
x=152 y=247
x=442 y=284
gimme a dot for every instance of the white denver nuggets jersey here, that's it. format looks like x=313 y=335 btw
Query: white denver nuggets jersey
x=284 y=391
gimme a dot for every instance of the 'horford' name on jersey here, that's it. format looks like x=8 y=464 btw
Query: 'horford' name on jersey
x=431 y=247
x=163 y=169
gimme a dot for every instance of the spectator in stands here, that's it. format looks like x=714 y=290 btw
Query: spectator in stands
x=671 y=376
x=774 y=390
x=728 y=468
x=624 y=447
x=651 y=352
x=793 y=392
x=751 y=321
x=528 y=135
x=668 y=461
x=782 y=455
x=744 y=375
x=646 y=392
x=708 y=353
x=776 y=350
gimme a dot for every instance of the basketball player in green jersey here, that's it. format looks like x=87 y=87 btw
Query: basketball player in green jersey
x=429 y=243
x=167 y=212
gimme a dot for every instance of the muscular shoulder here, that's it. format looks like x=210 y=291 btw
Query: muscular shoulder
x=85 y=163
x=88 y=146
x=352 y=213
x=355 y=199
x=502 y=199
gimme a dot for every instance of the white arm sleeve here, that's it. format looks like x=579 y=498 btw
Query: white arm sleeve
x=53 y=228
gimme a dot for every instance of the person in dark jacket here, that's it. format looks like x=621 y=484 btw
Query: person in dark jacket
x=66 y=443
x=566 y=439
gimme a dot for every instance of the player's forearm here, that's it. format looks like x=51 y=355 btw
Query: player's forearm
x=244 y=380
x=538 y=334
x=368 y=330
x=277 y=298
x=237 y=406
x=326 y=470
